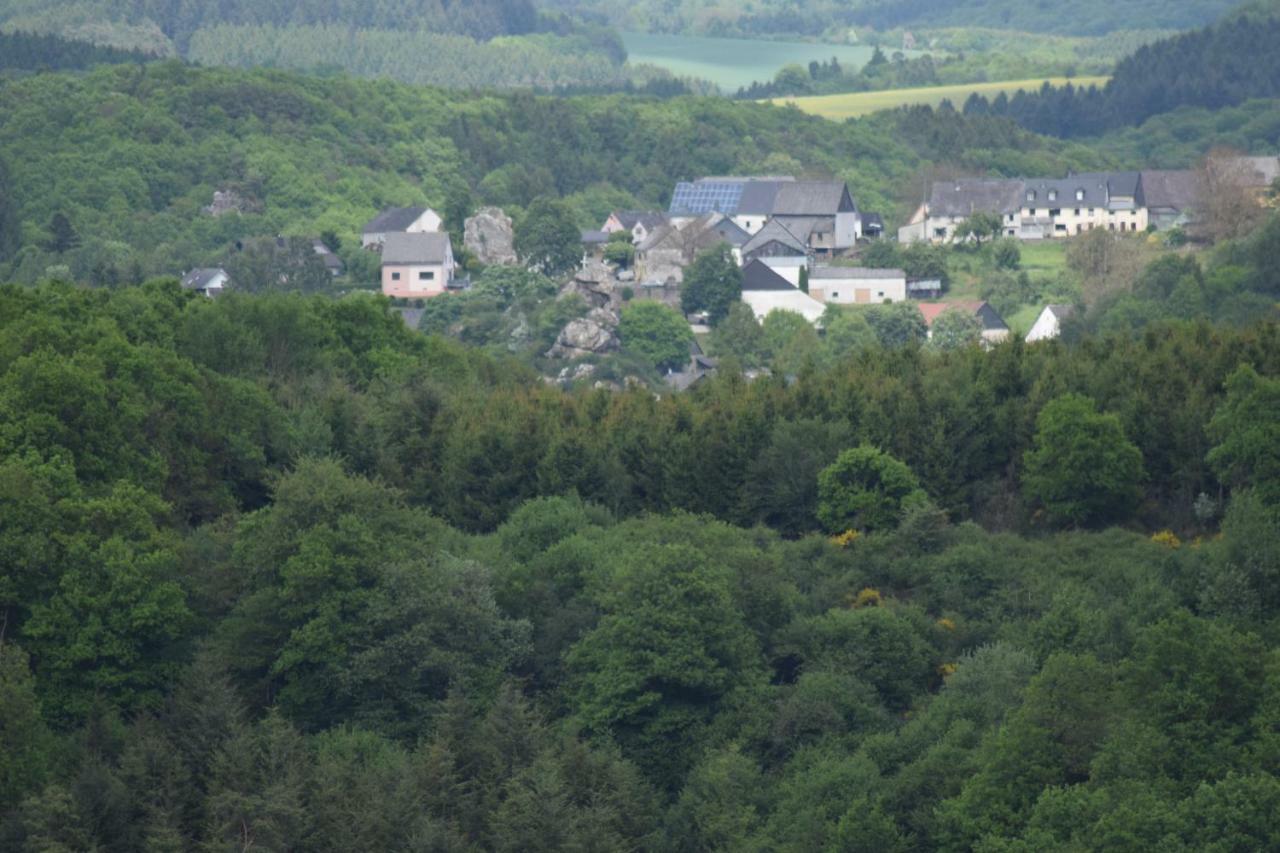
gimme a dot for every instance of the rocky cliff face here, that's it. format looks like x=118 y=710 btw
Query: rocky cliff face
x=490 y=236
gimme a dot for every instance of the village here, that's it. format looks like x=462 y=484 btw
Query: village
x=799 y=246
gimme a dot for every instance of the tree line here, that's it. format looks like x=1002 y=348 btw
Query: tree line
x=279 y=571
x=1219 y=66
x=38 y=52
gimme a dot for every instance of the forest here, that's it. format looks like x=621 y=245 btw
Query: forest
x=1220 y=66
x=770 y=18
x=277 y=571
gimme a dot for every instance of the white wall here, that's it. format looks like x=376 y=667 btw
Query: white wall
x=845 y=291
x=788 y=268
x=764 y=301
x=1046 y=327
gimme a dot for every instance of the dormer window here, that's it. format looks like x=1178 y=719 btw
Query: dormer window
x=1053 y=195
x=1031 y=195
x=1079 y=195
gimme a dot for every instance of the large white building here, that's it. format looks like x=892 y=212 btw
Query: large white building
x=1041 y=208
x=857 y=285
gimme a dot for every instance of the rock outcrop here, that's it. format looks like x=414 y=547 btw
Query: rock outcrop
x=490 y=236
x=589 y=335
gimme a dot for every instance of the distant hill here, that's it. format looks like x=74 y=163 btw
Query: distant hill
x=818 y=17
x=180 y=19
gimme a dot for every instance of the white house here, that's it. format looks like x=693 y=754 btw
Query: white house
x=417 y=266
x=1049 y=324
x=857 y=285
x=641 y=223
x=400 y=220
x=764 y=290
x=210 y=281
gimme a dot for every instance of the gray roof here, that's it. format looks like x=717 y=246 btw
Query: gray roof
x=403 y=248
x=758 y=275
x=393 y=219
x=594 y=237
x=1171 y=190
x=813 y=198
x=1094 y=189
x=775 y=231
x=975 y=195
x=822 y=273
x=650 y=219
x=1062 y=312
x=872 y=222
x=199 y=279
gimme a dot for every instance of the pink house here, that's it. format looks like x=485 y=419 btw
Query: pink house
x=417 y=266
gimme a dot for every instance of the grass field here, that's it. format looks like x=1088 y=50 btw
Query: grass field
x=733 y=63
x=841 y=107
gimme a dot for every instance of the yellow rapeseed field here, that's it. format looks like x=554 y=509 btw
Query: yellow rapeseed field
x=861 y=103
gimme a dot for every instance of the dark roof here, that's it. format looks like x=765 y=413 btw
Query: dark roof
x=1100 y=189
x=775 y=232
x=975 y=195
x=731 y=232
x=822 y=273
x=199 y=279
x=1062 y=312
x=872 y=222
x=1172 y=190
x=991 y=321
x=593 y=238
x=813 y=198
x=415 y=248
x=650 y=219
x=758 y=275
x=393 y=219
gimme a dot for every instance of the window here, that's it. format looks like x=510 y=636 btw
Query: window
x=1079 y=195
x=395 y=276
x=1077 y=211
x=835 y=294
x=1091 y=211
x=879 y=294
x=1053 y=195
x=426 y=276
x=1031 y=196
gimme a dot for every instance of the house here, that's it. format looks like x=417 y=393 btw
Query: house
x=331 y=261
x=698 y=368
x=952 y=202
x=857 y=285
x=1034 y=208
x=994 y=329
x=209 y=281
x=399 y=220
x=774 y=240
x=764 y=290
x=641 y=223
x=1080 y=203
x=671 y=247
x=872 y=225
x=1049 y=324
x=417 y=266
x=823 y=213
x=1172 y=197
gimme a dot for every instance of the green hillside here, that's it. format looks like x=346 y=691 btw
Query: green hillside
x=131 y=155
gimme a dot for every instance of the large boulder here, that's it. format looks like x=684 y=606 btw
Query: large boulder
x=490 y=236
x=587 y=335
